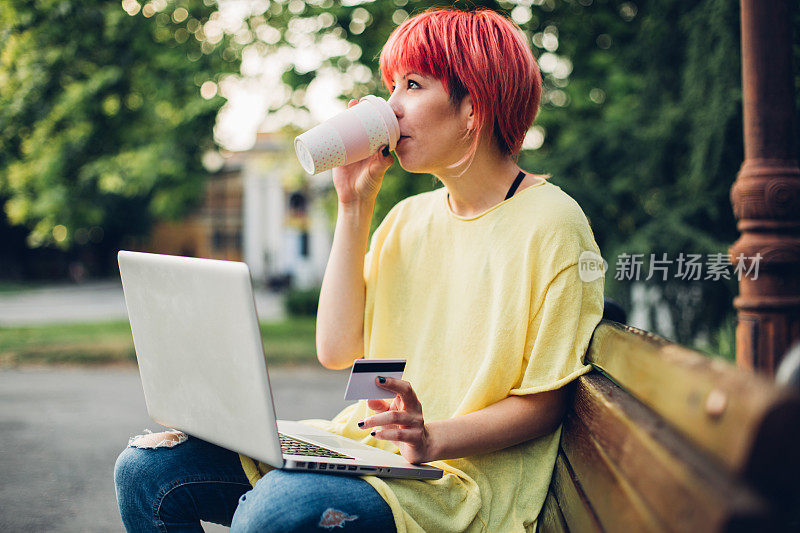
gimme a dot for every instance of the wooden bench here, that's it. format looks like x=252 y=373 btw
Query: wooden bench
x=662 y=438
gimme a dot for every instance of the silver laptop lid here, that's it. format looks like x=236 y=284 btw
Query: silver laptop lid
x=198 y=344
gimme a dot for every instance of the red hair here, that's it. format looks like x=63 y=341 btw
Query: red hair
x=481 y=53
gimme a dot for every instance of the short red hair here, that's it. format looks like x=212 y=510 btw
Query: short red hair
x=479 y=52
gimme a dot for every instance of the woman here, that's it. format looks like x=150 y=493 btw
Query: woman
x=476 y=284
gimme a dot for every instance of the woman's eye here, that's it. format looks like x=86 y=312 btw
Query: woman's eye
x=409 y=85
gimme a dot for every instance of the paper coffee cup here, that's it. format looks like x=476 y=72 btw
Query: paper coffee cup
x=354 y=134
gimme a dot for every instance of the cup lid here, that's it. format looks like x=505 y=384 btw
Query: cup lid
x=387 y=114
x=304 y=156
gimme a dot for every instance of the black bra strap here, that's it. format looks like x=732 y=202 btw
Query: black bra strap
x=516 y=183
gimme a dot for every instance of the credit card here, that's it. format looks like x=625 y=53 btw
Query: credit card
x=362 y=386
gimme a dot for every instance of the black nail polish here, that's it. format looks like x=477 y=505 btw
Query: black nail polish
x=385 y=151
x=361 y=424
x=373 y=433
x=381 y=379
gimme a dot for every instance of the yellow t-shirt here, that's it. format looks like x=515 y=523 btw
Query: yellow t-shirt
x=482 y=308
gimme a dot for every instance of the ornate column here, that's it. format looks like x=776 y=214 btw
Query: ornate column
x=766 y=194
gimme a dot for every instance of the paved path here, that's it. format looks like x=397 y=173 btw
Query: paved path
x=61 y=431
x=93 y=301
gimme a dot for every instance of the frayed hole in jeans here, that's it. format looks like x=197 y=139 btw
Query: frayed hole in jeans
x=164 y=439
x=332 y=518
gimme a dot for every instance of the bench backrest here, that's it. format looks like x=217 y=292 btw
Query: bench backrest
x=663 y=438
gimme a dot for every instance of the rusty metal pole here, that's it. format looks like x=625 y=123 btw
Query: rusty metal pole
x=766 y=193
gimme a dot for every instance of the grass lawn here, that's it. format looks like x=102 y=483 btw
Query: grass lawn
x=290 y=341
x=18 y=286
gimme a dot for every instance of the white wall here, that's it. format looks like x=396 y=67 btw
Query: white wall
x=271 y=248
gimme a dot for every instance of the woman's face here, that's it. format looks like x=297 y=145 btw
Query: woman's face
x=431 y=129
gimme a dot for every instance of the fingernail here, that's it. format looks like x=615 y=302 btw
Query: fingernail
x=385 y=151
x=381 y=379
x=361 y=424
x=373 y=433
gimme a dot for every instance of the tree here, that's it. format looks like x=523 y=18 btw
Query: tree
x=640 y=122
x=652 y=155
x=102 y=121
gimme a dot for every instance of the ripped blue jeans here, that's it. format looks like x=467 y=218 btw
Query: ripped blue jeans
x=173 y=489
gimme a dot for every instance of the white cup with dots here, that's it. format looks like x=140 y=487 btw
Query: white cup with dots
x=354 y=134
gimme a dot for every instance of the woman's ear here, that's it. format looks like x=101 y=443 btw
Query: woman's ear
x=468 y=112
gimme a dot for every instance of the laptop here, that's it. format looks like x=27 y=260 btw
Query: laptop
x=198 y=344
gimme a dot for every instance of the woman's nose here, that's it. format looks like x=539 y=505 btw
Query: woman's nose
x=395 y=105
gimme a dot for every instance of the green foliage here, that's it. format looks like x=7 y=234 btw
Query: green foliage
x=301 y=302
x=723 y=342
x=641 y=120
x=102 y=124
x=652 y=159
x=365 y=26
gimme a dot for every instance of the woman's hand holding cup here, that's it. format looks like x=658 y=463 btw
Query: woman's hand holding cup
x=356 y=145
x=360 y=181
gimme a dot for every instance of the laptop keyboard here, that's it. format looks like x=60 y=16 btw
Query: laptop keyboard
x=294 y=446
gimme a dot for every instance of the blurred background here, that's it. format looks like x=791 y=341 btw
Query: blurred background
x=167 y=126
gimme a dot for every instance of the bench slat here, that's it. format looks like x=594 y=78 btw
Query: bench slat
x=616 y=503
x=733 y=414
x=574 y=505
x=677 y=482
x=550 y=518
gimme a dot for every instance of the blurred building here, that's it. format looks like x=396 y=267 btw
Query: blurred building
x=262 y=208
